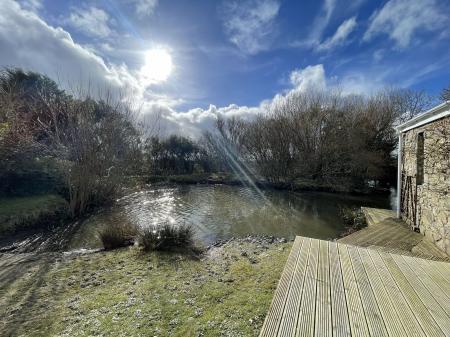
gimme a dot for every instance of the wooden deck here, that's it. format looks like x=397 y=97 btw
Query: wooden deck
x=387 y=233
x=336 y=289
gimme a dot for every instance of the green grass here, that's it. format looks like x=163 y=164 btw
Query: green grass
x=129 y=293
x=26 y=212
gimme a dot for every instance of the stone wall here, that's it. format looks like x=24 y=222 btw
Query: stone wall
x=427 y=206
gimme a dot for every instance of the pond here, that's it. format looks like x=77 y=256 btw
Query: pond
x=216 y=212
x=221 y=212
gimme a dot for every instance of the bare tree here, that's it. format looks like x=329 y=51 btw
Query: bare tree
x=445 y=94
x=323 y=136
x=409 y=103
x=94 y=144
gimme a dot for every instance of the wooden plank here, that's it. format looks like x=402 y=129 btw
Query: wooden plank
x=358 y=324
x=443 y=269
x=372 y=312
x=388 y=313
x=305 y=326
x=407 y=317
x=440 y=295
x=323 y=326
x=435 y=309
x=427 y=322
x=273 y=318
x=294 y=298
x=341 y=325
x=432 y=269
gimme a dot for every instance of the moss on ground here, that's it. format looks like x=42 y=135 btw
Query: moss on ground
x=25 y=212
x=129 y=293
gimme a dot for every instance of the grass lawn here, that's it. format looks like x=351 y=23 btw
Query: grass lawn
x=129 y=293
x=24 y=212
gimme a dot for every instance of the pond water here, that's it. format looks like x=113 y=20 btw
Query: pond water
x=221 y=212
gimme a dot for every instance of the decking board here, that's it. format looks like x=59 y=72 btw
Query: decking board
x=338 y=290
x=387 y=310
x=340 y=322
x=306 y=320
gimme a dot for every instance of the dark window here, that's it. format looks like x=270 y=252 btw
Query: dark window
x=420 y=158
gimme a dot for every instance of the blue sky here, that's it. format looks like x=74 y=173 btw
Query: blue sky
x=228 y=57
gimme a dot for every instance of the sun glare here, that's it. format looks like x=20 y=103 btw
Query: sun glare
x=158 y=65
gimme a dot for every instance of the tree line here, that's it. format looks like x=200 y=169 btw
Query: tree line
x=346 y=141
x=85 y=148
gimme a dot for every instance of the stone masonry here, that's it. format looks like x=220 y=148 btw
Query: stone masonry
x=426 y=206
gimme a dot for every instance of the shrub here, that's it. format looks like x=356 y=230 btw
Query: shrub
x=167 y=237
x=117 y=235
x=353 y=218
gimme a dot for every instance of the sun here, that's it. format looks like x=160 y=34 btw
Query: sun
x=158 y=65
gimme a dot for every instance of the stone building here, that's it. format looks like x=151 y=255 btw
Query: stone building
x=424 y=174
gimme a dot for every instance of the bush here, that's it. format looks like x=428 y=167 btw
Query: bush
x=353 y=218
x=117 y=235
x=167 y=237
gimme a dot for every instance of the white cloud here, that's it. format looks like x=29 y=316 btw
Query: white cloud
x=358 y=83
x=28 y=42
x=33 y=5
x=378 y=55
x=311 y=77
x=250 y=25
x=340 y=36
x=314 y=77
x=401 y=19
x=322 y=20
x=91 y=21
x=193 y=122
x=319 y=24
x=144 y=8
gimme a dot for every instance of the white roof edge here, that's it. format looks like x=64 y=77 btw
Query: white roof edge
x=439 y=111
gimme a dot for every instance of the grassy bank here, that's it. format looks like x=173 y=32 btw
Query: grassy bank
x=198 y=178
x=21 y=213
x=297 y=185
x=129 y=293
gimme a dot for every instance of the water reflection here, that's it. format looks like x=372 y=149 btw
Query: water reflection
x=220 y=212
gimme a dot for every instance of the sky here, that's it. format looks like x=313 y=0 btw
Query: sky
x=183 y=63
